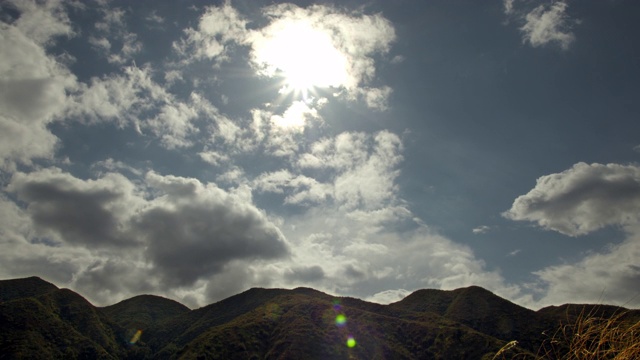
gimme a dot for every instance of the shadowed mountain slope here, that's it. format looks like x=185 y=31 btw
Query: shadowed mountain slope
x=22 y=288
x=144 y=311
x=56 y=324
x=481 y=310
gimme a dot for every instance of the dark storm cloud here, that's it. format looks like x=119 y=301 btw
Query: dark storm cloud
x=189 y=230
x=80 y=213
x=193 y=230
x=194 y=240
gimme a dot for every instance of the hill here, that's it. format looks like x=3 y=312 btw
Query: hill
x=38 y=320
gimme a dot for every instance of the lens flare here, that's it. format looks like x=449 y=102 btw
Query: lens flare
x=351 y=342
x=135 y=337
x=341 y=320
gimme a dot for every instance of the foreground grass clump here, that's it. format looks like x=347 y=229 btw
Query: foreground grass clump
x=588 y=335
x=592 y=336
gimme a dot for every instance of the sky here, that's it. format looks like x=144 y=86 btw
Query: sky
x=195 y=149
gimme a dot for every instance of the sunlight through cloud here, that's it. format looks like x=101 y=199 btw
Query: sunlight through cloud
x=303 y=55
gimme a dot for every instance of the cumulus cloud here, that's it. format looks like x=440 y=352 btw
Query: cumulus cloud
x=546 y=24
x=611 y=276
x=195 y=229
x=582 y=199
x=89 y=213
x=170 y=230
x=578 y=201
x=34 y=85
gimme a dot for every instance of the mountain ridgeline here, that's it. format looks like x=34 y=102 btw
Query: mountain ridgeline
x=40 y=321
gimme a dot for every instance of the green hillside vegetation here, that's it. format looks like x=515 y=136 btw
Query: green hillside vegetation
x=40 y=321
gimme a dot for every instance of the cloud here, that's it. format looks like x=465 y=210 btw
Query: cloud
x=361 y=166
x=582 y=199
x=112 y=30
x=305 y=274
x=508 y=6
x=578 y=201
x=514 y=252
x=42 y=21
x=362 y=232
x=218 y=27
x=300 y=189
x=34 y=85
x=352 y=39
x=195 y=229
x=546 y=24
x=154 y=19
x=88 y=213
x=388 y=296
x=481 y=229
x=611 y=276
x=174 y=232
x=133 y=98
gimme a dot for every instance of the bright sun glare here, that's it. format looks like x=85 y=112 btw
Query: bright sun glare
x=304 y=56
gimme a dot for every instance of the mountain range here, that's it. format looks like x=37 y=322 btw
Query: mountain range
x=41 y=321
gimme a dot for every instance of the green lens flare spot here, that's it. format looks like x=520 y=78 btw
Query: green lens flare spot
x=341 y=320
x=351 y=342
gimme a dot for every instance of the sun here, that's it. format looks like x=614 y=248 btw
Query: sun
x=303 y=56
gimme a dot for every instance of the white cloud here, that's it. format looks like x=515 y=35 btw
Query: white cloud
x=375 y=98
x=300 y=189
x=42 y=21
x=576 y=202
x=154 y=18
x=481 y=229
x=582 y=199
x=114 y=35
x=611 y=276
x=546 y=24
x=388 y=296
x=173 y=124
x=295 y=117
x=213 y=157
x=218 y=27
x=133 y=98
x=33 y=85
x=361 y=232
x=508 y=6
x=361 y=166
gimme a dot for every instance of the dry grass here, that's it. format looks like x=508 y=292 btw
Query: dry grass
x=595 y=337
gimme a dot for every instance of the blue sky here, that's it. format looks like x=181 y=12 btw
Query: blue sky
x=364 y=148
